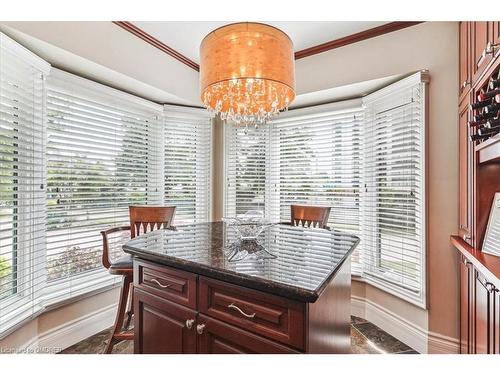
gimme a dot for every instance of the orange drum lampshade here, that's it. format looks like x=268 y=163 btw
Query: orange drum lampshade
x=247 y=72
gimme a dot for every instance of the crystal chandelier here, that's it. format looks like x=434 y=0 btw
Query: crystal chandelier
x=247 y=72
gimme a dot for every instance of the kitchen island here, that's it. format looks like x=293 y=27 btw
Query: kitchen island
x=198 y=289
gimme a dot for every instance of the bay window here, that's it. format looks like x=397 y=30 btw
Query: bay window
x=364 y=158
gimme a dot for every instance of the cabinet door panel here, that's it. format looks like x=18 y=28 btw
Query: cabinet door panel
x=482 y=315
x=465 y=306
x=221 y=338
x=464 y=58
x=160 y=326
x=465 y=173
x=495 y=322
x=480 y=36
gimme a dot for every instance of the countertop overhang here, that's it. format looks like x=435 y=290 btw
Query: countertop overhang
x=293 y=262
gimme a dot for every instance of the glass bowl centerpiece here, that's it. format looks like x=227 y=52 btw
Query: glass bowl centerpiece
x=248 y=227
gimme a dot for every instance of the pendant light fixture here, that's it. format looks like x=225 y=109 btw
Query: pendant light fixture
x=247 y=72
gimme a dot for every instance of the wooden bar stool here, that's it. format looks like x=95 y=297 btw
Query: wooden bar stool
x=308 y=216
x=142 y=218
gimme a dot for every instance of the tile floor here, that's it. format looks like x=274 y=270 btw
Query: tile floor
x=366 y=338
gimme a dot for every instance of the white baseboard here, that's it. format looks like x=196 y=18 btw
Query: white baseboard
x=405 y=331
x=70 y=333
x=440 y=344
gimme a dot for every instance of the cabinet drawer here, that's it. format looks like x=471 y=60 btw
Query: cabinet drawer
x=174 y=285
x=222 y=338
x=274 y=317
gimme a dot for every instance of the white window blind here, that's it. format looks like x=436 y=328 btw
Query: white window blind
x=187 y=169
x=102 y=156
x=316 y=159
x=246 y=157
x=394 y=189
x=22 y=182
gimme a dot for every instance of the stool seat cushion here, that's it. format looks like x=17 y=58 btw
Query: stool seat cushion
x=123 y=263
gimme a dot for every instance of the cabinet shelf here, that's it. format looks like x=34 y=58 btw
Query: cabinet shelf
x=487 y=264
x=489 y=150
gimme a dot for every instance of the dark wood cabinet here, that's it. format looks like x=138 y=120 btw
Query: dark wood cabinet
x=216 y=337
x=182 y=312
x=164 y=326
x=479 y=180
x=479 y=300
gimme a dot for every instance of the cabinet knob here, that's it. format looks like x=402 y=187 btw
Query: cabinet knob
x=189 y=323
x=200 y=328
x=465 y=83
x=466 y=237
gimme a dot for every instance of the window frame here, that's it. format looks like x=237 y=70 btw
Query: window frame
x=59 y=290
x=421 y=77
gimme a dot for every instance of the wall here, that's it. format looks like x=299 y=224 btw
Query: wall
x=432 y=46
x=62 y=327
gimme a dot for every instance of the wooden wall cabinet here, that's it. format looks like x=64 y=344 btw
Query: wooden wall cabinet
x=479 y=180
x=479 y=302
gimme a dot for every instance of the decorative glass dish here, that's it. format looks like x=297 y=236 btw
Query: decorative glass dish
x=247 y=227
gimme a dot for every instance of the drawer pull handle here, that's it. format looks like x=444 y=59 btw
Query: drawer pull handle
x=234 y=307
x=189 y=323
x=160 y=284
x=200 y=328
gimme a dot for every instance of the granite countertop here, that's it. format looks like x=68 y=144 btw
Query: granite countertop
x=294 y=262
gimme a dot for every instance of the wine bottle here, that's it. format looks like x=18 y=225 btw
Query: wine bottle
x=494 y=83
x=488 y=95
x=488 y=131
x=493 y=123
x=495 y=107
x=477 y=137
x=474 y=124
x=484 y=116
x=478 y=105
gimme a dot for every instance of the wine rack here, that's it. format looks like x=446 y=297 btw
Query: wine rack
x=485 y=123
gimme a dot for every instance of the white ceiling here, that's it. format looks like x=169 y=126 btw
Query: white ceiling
x=185 y=37
x=106 y=53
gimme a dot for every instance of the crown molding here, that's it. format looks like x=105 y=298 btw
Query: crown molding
x=131 y=28
x=354 y=38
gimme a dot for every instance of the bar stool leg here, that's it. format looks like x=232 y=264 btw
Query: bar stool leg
x=120 y=314
x=130 y=311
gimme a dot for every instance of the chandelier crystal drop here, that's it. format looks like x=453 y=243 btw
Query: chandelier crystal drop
x=247 y=72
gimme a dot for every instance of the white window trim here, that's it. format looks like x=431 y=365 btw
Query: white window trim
x=412 y=80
